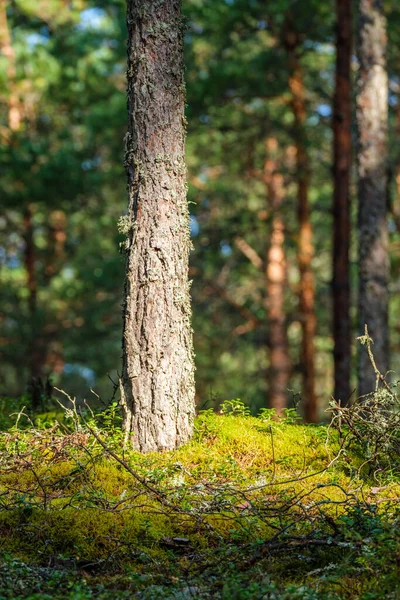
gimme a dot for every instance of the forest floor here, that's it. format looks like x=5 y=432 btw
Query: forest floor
x=251 y=508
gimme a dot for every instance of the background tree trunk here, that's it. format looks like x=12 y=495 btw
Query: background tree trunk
x=341 y=202
x=36 y=347
x=305 y=250
x=158 y=371
x=276 y=282
x=7 y=50
x=372 y=115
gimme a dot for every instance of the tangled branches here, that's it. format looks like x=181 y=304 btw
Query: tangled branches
x=371 y=423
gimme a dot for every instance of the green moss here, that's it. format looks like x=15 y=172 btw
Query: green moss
x=239 y=481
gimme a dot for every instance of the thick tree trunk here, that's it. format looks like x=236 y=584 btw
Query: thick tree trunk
x=276 y=282
x=372 y=115
x=305 y=250
x=157 y=384
x=341 y=202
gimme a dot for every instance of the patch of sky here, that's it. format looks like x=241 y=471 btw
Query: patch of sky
x=85 y=372
x=68 y=273
x=194 y=226
x=196 y=27
x=91 y=163
x=324 y=110
x=12 y=261
x=320 y=48
x=118 y=68
x=36 y=39
x=256 y=103
x=91 y=18
x=226 y=249
x=203 y=177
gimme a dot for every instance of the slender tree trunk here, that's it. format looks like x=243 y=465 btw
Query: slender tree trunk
x=157 y=385
x=276 y=282
x=372 y=115
x=56 y=240
x=36 y=353
x=7 y=50
x=395 y=204
x=341 y=202
x=30 y=261
x=305 y=249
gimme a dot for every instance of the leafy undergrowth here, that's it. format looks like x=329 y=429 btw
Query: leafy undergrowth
x=251 y=508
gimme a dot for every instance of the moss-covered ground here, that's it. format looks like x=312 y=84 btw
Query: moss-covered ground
x=250 y=508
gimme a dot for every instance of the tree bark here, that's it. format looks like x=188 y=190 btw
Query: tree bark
x=157 y=384
x=36 y=347
x=276 y=282
x=305 y=249
x=372 y=116
x=7 y=50
x=341 y=202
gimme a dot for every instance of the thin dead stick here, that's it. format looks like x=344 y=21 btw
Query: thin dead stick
x=160 y=496
x=366 y=340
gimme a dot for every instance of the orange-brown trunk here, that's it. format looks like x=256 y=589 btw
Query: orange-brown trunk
x=30 y=262
x=276 y=280
x=305 y=249
x=341 y=202
x=7 y=50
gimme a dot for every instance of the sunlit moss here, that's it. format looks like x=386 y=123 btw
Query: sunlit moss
x=67 y=497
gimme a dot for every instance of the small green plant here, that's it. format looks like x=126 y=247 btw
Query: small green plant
x=205 y=425
x=235 y=408
x=291 y=416
x=267 y=415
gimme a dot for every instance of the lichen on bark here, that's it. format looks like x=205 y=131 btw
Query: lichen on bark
x=372 y=116
x=157 y=383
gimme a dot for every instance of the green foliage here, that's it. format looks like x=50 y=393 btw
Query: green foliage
x=267 y=414
x=73 y=522
x=234 y=408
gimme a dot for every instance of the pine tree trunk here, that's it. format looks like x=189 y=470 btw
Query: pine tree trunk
x=372 y=115
x=7 y=50
x=157 y=384
x=276 y=282
x=36 y=351
x=305 y=249
x=341 y=202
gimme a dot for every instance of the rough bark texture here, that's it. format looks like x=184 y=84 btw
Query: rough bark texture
x=276 y=282
x=157 y=384
x=341 y=202
x=305 y=249
x=372 y=115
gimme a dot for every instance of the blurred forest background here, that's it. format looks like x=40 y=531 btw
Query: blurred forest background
x=63 y=189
